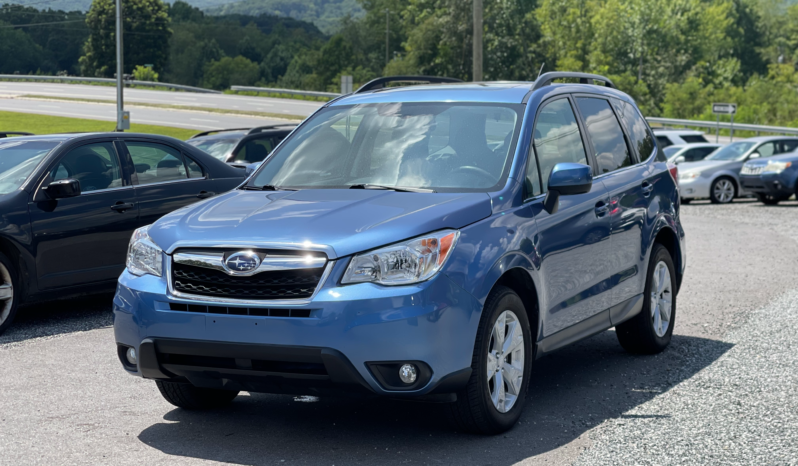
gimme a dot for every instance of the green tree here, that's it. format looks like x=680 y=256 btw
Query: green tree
x=146 y=36
x=228 y=72
x=18 y=52
x=145 y=73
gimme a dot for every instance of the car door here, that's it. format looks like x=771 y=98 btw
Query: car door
x=573 y=242
x=83 y=239
x=165 y=179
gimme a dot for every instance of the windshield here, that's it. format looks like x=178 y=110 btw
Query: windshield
x=672 y=150
x=218 y=148
x=437 y=146
x=18 y=159
x=734 y=151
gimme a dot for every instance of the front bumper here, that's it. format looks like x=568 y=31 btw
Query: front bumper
x=766 y=183
x=351 y=333
x=694 y=188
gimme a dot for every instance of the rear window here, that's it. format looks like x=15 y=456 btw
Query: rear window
x=637 y=129
x=695 y=138
x=663 y=142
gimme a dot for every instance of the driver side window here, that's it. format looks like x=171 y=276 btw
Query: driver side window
x=556 y=139
x=95 y=166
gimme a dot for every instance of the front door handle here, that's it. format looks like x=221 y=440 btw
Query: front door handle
x=647 y=188
x=602 y=208
x=122 y=206
x=205 y=194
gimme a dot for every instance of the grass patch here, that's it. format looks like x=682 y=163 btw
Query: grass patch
x=46 y=124
x=279 y=116
x=278 y=95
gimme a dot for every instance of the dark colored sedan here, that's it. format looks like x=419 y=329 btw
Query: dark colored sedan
x=69 y=204
x=772 y=180
x=243 y=146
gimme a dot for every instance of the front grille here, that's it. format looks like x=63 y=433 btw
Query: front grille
x=260 y=365
x=268 y=285
x=241 y=311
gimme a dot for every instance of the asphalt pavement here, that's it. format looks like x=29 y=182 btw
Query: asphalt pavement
x=722 y=393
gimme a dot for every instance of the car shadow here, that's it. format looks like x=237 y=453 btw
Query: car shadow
x=56 y=317
x=573 y=390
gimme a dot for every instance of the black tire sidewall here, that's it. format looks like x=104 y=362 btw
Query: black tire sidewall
x=506 y=300
x=12 y=270
x=659 y=254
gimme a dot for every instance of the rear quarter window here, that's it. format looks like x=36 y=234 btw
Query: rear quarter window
x=695 y=138
x=638 y=130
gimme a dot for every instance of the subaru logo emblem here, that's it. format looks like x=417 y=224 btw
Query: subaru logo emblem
x=242 y=262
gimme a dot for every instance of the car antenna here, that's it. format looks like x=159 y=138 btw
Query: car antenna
x=541 y=70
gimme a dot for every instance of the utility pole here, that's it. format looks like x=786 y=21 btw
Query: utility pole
x=477 y=55
x=122 y=119
x=387 y=33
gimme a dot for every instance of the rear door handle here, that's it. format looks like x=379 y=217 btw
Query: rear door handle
x=647 y=188
x=205 y=194
x=602 y=208
x=122 y=206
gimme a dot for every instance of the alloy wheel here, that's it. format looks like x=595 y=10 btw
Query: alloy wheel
x=661 y=299
x=6 y=293
x=505 y=361
x=724 y=191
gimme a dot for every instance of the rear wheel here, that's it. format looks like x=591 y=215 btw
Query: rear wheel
x=187 y=396
x=722 y=191
x=494 y=398
x=650 y=331
x=9 y=292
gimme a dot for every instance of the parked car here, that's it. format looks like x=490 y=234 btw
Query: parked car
x=425 y=242
x=242 y=146
x=717 y=177
x=772 y=180
x=70 y=203
x=670 y=137
x=690 y=152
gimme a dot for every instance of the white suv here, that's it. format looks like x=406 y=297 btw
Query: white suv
x=670 y=137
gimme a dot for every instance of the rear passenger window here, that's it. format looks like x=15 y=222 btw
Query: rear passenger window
x=156 y=163
x=254 y=151
x=194 y=170
x=556 y=140
x=604 y=130
x=663 y=142
x=638 y=130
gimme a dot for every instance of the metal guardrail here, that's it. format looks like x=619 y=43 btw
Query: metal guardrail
x=79 y=79
x=724 y=125
x=331 y=95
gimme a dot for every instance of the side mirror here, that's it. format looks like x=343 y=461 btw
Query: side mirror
x=754 y=155
x=567 y=179
x=679 y=160
x=62 y=189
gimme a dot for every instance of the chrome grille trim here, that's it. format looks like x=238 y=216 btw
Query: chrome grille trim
x=268 y=264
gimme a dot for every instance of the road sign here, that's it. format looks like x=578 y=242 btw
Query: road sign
x=724 y=109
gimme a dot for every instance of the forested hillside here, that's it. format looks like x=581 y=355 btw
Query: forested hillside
x=325 y=14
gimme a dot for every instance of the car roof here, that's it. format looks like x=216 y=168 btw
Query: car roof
x=676 y=132
x=507 y=92
x=766 y=138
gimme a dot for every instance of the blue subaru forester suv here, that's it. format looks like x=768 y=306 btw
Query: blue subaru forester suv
x=424 y=242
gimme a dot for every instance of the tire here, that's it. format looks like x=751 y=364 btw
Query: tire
x=722 y=191
x=10 y=292
x=640 y=333
x=770 y=200
x=475 y=411
x=187 y=396
x=686 y=201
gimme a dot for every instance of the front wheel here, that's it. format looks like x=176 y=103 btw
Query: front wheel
x=9 y=292
x=650 y=331
x=187 y=396
x=768 y=199
x=722 y=191
x=494 y=397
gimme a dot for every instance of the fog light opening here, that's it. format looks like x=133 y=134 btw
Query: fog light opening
x=408 y=373
x=131 y=356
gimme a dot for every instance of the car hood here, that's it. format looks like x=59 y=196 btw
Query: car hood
x=340 y=221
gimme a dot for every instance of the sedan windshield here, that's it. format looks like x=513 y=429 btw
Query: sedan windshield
x=431 y=146
x=18 y=159
x=218 y=148
x=733 y=152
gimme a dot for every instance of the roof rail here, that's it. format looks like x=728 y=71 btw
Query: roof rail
x=380 y=83
x=584 y=78
x=5 y=134
x=205 y=133
x=260 y=129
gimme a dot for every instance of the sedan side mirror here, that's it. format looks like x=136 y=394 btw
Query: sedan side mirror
x=679 y=160
x=754 y=155
x=567 y=179
x=62 y=189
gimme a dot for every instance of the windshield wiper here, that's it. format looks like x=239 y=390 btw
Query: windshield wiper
x=392 y=188
x=267 y=187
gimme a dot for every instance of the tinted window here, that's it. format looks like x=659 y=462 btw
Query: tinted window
x=557 y=138
x=194 y=170
x=439 y=146
x=604 y=130
x=96 y=166
x=787 y=146
x=18 y=159
x=638 y=130
x=694 y=138
x=699 y=154
x=663 y=141
x=156 y=163
x=254 y=150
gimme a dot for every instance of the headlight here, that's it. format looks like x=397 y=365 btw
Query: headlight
x=688 y=175
x=777 y=167
x=403 y=263
x=143 y=256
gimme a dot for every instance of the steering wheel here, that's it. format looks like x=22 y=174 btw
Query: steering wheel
x=471 y=170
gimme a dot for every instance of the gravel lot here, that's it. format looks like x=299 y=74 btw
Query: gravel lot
x=722 y=393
